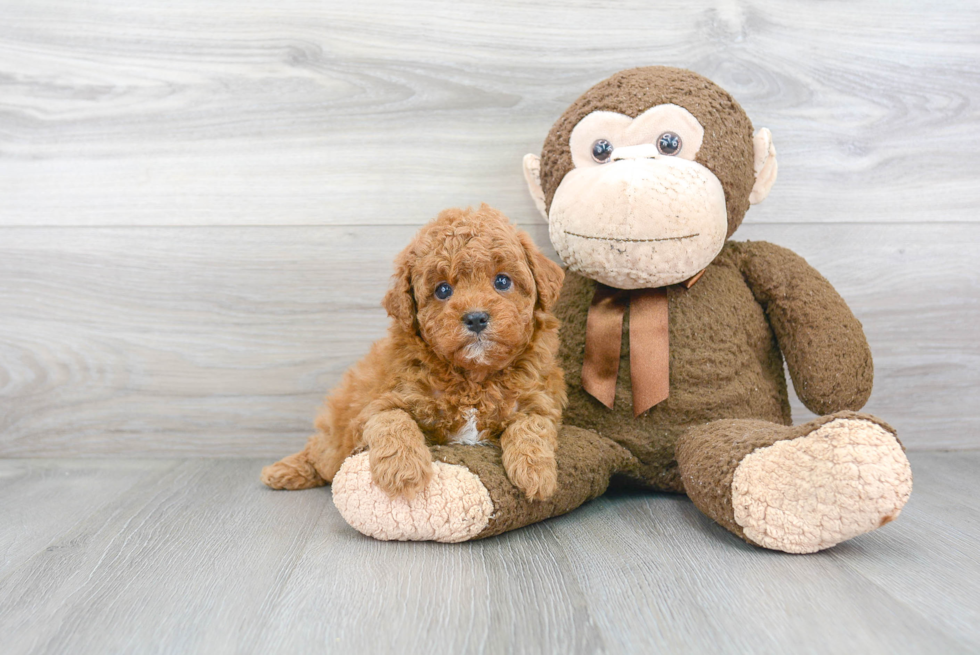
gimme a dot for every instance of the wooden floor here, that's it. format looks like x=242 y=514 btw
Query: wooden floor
x=195 y=556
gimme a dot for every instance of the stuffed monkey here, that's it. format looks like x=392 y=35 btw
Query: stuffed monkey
x=674 y=340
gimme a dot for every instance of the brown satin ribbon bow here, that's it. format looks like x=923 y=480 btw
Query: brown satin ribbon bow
x=649 y=344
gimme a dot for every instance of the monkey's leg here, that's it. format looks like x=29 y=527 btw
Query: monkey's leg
x=470 y=496
x=801 y=488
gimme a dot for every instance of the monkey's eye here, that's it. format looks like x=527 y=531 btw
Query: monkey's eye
x=502 y=283
x=443 y=291
x=602 y=151
x=669 y=144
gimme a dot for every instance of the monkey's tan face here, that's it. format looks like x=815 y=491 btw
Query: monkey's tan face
x=637 y=210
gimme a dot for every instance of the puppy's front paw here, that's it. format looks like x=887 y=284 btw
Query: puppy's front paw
x=401 y=473
x=532 y=471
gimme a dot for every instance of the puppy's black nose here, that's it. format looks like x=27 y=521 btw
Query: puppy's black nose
x=476 y=322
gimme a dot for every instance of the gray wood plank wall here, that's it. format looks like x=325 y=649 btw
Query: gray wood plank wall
x=199 y=201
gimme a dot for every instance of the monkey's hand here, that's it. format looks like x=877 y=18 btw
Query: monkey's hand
x=825 y=348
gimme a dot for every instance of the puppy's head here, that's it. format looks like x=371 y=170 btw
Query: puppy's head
x=469 y=284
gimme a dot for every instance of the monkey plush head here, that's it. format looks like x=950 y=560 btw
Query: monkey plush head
x=645 y=175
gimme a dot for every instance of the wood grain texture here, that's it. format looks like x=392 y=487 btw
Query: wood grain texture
x=942 y=505
x=200 y=558
x=296 y=112
x=41 y=499
x=199 y=201
x=222 y=341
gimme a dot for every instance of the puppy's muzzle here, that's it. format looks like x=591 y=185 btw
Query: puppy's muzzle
x=476 y=322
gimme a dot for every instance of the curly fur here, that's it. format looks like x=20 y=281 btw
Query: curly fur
x=420 y=385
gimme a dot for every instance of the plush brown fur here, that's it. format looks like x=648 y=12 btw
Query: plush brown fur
x=421 y=384
x=781 y=306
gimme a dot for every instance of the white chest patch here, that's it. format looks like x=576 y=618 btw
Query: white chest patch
x=468 y=434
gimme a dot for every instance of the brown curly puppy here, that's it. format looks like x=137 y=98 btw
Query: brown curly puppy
x=469 y=357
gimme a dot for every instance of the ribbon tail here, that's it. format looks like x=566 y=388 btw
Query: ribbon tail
x=649 y=348
x=603 y=342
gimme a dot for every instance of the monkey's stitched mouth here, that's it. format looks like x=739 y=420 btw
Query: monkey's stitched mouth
x=586 y=236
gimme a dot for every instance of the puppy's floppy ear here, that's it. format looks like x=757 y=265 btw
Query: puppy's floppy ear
x=399 y=301
x=548 y=276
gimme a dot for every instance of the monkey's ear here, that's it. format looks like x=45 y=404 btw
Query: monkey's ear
x=548 y=276
x=399 y=301
x=765 y=165
x=532 y=173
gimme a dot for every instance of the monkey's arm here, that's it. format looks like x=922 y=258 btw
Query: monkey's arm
x=825 y=348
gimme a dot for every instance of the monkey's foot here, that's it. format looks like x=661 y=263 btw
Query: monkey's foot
x=847 y=477
x=453 y=507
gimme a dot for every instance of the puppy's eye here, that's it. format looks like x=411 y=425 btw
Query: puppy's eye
x=502 y=283
x=443 y=291
x=602 y=151
x=669 y=144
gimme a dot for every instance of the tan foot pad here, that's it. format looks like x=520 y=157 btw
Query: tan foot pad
x=454 y=507
x=847 y=477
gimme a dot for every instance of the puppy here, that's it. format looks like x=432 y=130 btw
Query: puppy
x=469 y=358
